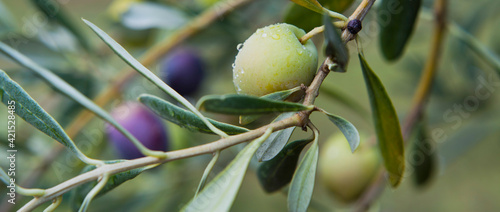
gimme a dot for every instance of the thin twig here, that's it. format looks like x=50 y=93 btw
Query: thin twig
x=423 y=90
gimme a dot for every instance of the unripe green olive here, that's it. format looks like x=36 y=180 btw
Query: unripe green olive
x=347 y=175
x=273 y=59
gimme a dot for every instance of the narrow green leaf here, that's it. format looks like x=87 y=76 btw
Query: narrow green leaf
x=127 y=57
x=220 y=193
x=397 y=20
x=4 y=177
x=151 y=15
x=337 y=5
x=78 y=194
x=280 y=95
x=302 y=17
x=277 y=96
x=335 y=47
x=349 y=130
x=386 y=123
x=29 y=110
x=185 y=118
x=7 y=21
x=480 y=49
x=246 y=105
x=302 y=185
x=276 y=173
x=273 y=145
x=423 y=157
x=307 y=19
x=55 y=11
x=63 y=87
x=313 y=5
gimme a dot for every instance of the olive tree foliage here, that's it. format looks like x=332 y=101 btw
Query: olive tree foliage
x=283 y=164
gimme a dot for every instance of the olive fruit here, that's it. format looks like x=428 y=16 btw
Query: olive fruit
x=346 y=174
x=142 y=124
x=273 y=59
x=183 y=70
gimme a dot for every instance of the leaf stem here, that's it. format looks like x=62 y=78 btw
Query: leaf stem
x=423 y=89
x=335 y=15
x=102 y=182
x=207 y=171
x=55 y=203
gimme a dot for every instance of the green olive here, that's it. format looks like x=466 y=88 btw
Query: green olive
x=273 y=59
x=347 y=175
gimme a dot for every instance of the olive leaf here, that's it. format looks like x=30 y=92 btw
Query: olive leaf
x=335 y=48
x=307 y=19
x=389 y=137
x=184 y=118
x=148 y=15
x=425 y=166
x=236 y=104
x=63 y=87
x=30 y=111
x=313 y=5
x=302 y=185
x=277 y=96
x=477 y=47
x=220 y=193
x=273 y=145
x=130 y=60
x=276 y=173
x=55 y=11
x=349 y=130
x=396 y=25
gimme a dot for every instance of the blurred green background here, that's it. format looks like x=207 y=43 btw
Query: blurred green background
x=468 y=171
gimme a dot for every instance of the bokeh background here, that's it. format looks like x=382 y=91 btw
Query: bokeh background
x=468 y=173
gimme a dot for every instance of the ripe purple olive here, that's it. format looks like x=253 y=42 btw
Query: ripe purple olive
x=142 y=124
x=183 y=70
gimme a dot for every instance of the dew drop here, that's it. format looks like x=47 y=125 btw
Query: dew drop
x=233 y=65
x=239 y=46
x=276 y=37
x=264 y=35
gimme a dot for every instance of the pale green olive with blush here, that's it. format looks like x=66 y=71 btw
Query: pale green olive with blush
x=273 y=59
x=347 y=175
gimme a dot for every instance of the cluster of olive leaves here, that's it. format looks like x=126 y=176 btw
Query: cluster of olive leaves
x=279 y=166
